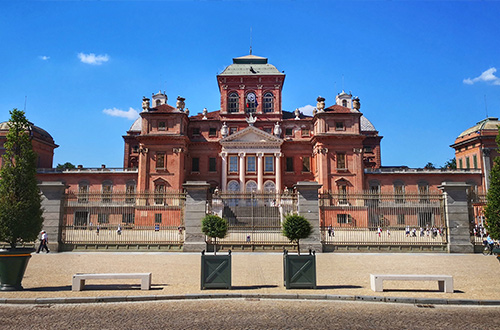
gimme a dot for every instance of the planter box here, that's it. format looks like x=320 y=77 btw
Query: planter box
x=215 y=271
x=13 y=263
x=299 y=272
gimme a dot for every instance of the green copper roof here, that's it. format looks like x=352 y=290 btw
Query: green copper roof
x=489 y=123
x=250 y=65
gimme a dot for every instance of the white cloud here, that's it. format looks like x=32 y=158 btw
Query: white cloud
x=486 y=76
x=44 y=58
x=307 y=110
x=131 y=114
x=93 y=58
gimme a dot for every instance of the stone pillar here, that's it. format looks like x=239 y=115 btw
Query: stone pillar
x=260 y=171
x=308 y=206
x=278 y=171
x=223 y=182
x=195 y=210
x=52 y=204
x=457 y=217
x=242 y=171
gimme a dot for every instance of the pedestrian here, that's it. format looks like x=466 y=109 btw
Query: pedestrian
x=407 y=231
x=44 y=240
x=248 y=238
x=157 y=227
x=379 y=231
x=388 y=232
x=97 y=230
x=119 y=230
x=330 y=231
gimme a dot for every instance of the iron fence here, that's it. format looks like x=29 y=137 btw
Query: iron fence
x=253 y=218
x=370 y=218
x=123 y=218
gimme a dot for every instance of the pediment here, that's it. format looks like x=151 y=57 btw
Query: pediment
x=251 y=135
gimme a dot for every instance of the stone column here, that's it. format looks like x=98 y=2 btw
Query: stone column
x=223 y=182
x=278 y=171
x=308 y=207
x=457 y=217
x=195 y=210
x=260 y=171
x=242 y=171
x=52 y=204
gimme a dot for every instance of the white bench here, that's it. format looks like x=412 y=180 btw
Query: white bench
x=445 y=282
x=79 y=279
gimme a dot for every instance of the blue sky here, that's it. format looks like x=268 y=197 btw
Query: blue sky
x=424 y=70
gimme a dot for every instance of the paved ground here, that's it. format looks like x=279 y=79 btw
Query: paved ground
x=49 y=275
x=247 y=314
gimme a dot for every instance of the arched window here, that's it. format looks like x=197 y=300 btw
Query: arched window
x=158 y=103
x=251 y=186
x=130 y=192
x=233 y=186
x=344 y=103
x=268 y=102
x=399 y=191
x=233 y=102
x=107 y=190
x=423 y=191
x=269 y=187
x=83 y=192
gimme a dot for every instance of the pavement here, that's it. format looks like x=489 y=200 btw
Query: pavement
x=340 y=276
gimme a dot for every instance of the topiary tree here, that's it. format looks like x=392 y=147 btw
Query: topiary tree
x=492 y=210
x=20 y=200
x=295 y=228
x=215 y=227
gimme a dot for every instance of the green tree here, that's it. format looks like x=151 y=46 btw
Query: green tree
x=214 y=227
x=450 y=164
x=429 y=166
x=492 y=210
x=295 y=228
x=20 y=200
x=65 y=166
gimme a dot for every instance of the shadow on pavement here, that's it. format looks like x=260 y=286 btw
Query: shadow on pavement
x=252 y=287
x=338 y=287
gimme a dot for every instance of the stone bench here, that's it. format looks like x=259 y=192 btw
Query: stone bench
x=79 y=279
x=445 y=282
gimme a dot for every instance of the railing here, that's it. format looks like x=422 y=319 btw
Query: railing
x=370 y=218
x=123 y=218
x=87 y=170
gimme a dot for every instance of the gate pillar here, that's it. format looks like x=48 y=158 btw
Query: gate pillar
x=308 y=207
x=457 y=217
x=52 y=204
x=195 y=210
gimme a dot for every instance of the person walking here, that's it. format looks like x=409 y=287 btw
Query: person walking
x=44 y=239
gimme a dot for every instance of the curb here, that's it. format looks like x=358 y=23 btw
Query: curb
x=316 y=297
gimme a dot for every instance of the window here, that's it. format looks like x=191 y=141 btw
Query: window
x=423 y=191
x=368 y=149
x=251 y=186
x=474 y=158
x=130 y=192
x=268 y=164
x=339 y=126
x=196 y=131
x=128 y=218
x=306 y=164
x=289 y=164
x=195 y=164
x=159 y=194
x=269 y=187
x=81 y=218
x=233 y=186
x=233 y=130
x=342 y=189
x=344 y=103
x=212 y=131
x=161 y=126
x=305 y=132
x=107 y=188
x=399 y=192
x=158 y=217
x=250 y=163
x=160 y=160
x=251 y=102
x=83 y=192
x=268 y=130
x=268 y=102
x=233 y=102
x=233 y=164
x=288 y=131
x=212 y=164
x=102 y=218
x=401 y=219
x=467 y=162
x=135 y=149
x=342 y=218
x=460 y=164
x=341 y=165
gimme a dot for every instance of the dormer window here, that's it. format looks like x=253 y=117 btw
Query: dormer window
x=344 y=103
x=161 y=125
x=268 y=102
x=196 y=131
x=233 y=102
x=339 y=125
x=158 y=103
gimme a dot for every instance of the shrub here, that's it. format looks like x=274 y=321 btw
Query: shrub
x=295 y=228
